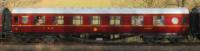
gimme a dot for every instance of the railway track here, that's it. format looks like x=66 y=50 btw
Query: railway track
x=125 y=41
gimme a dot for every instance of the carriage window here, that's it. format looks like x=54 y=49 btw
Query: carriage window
x=59 y=20
x=184 y=20
x=39 y=20
x=137 y=20
x=115 y=20
x=16 y=19
x=158 y=20
x=24 y=19
x=77 y=20
x=95 y=20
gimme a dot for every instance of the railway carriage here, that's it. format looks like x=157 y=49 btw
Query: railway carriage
x=111 y=22
x=167 y=20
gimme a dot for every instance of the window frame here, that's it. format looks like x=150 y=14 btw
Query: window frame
x=162 y=20
x=56 y=20
x=184 y=20
x=36 y=20
x=77 y=20
x=137 y=20
x=16 y=19
x=95 y=20
x=115 y=20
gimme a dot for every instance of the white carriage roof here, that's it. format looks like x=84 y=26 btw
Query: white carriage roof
x=103 y=10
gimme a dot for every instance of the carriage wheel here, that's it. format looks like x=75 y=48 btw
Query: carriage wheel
x=49 y=39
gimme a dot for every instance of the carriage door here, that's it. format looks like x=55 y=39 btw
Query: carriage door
x=6 y=20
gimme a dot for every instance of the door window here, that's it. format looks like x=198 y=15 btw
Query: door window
x=16 y=19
